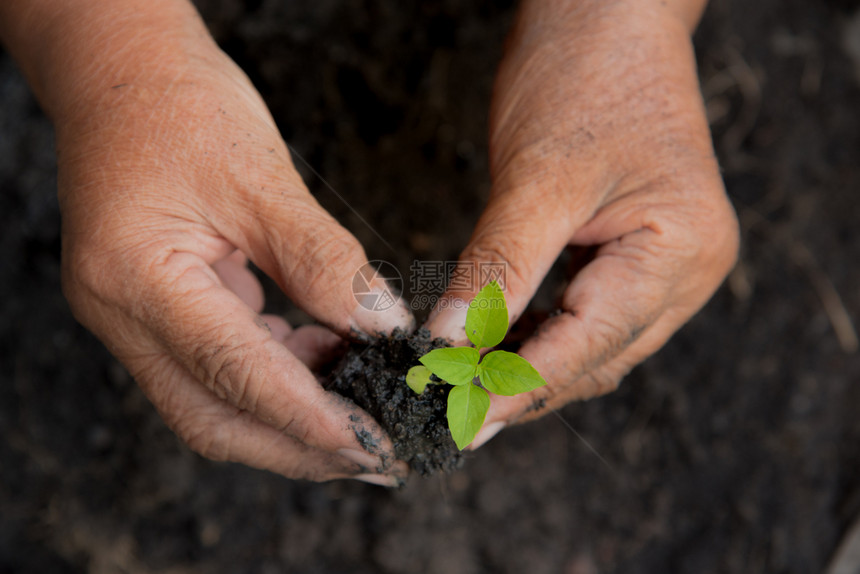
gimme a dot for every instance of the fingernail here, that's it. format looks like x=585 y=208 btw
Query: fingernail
x=486 y=433
x=380 y=479
x=381 y=310
x=361 y=458
x=448 y=320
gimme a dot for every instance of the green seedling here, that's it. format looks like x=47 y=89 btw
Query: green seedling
x=499 y=372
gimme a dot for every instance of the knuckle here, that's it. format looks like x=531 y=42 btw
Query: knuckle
x=581 y=353
x=316 y=252
x=228 y=371
x=107 y=269
x=295 y=423
x=713 y=238
x=326 y=255
x=610 y=336
x=295 y=427
x=725 y=246
x=617 y=321
x=704 y=232
x=96 y=291
x=232 y=373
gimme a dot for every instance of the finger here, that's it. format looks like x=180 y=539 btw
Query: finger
x=238 y=258
x=598 y=381
x=519 y=235
x=278 y=327
x=604 y=378
x=608 y=306
x=638 y=284
x=226 y=347
x=314 y=260
x=222 y=432
x=314 y=345
x=236 y=277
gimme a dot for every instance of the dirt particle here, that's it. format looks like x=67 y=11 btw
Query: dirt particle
x=539 y=404
x=366 y=440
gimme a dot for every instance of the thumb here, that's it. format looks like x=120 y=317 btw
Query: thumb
x=516 y=240
x=318 y=264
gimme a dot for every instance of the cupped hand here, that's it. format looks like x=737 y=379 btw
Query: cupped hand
x=598 y=140
x=171 y=171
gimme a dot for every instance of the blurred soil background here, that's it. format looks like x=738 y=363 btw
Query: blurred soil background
x=735 y=449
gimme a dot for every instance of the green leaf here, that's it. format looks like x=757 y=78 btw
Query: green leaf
x=508 y=374
x=418 y=378
x=467 y=408
x=454 y=365
x=487 y=317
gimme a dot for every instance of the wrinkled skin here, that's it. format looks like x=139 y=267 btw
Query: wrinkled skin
x=599 y=140
x=172 y=173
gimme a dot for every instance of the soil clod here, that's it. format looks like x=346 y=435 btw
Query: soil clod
x=373 y=376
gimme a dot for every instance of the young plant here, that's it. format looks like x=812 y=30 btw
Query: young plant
x=499 y=372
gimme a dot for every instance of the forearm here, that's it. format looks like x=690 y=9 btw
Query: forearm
x=73 y=52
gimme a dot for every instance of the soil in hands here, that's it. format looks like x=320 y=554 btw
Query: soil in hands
x=374 y=377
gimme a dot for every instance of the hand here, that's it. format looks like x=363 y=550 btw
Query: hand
x=171 y=170
x=598 y=139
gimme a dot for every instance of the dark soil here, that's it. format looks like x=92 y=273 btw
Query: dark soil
x=736 y=449
x=373 y=376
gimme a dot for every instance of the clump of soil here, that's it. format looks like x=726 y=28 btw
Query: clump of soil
x=374 y=377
